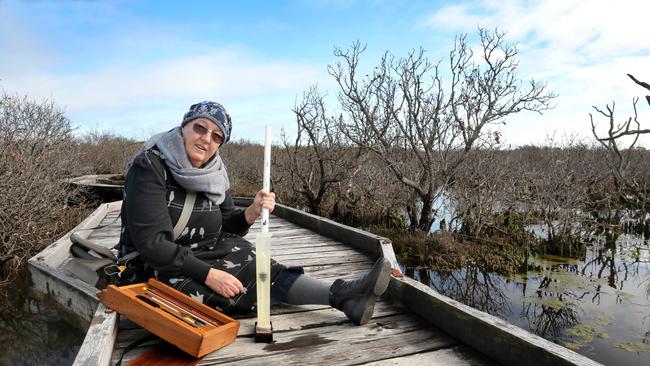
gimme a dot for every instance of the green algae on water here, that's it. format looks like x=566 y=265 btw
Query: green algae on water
x=551 y=302
x=634 y=347
x=585 y=333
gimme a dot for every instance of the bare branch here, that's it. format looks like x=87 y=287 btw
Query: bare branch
x=422 y=131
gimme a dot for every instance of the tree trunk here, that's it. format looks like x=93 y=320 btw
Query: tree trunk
x=413 y=217
x=314 y=207
x=426 y=214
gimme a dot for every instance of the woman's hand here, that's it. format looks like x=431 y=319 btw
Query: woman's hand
x=262 y=200
x=223 y=283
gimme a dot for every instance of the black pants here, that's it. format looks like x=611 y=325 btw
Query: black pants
x=235 y=255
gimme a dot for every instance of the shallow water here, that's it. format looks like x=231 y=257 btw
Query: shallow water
x=33 y=333
x=598 y=305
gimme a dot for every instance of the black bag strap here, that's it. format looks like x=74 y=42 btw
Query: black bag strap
x=89 y=245
x=133 y=345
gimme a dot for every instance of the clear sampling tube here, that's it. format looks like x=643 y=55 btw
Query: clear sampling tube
x=263 y=256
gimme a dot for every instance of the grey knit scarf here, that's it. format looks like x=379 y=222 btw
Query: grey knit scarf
x=211 y=179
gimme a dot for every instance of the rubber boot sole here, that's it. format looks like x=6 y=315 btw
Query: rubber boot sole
x=367 y=306
x=383 y=279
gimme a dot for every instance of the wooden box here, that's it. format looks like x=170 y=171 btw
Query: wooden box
x=173 y=316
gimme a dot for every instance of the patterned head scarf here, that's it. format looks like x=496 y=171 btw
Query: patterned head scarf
x=215 y=112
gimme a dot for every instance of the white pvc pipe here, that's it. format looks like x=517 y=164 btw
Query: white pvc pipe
x=263 y=250
x=266 y=178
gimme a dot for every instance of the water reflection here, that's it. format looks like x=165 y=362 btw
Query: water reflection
x=472 y=286
x=548 y=320
x=32 y=333
x=598 y=305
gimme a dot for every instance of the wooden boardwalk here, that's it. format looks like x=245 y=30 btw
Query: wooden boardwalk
x=316 y=334
x=412 y=324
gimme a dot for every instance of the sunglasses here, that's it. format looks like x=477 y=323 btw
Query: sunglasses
x=202 y=130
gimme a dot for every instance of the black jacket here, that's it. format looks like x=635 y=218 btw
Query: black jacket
x=153 y=202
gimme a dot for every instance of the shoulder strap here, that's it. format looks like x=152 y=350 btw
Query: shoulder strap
x=190 y=197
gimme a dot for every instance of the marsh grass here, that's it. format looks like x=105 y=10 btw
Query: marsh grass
x=444 y=251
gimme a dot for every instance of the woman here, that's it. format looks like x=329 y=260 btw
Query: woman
x=179 y=224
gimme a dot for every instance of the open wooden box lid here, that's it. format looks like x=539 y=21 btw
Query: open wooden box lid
x=173 y=316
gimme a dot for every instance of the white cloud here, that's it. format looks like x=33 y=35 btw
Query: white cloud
x=139 y=99
x=456 y=17
x=141 y=79
x=215 y=75
x=583 y=49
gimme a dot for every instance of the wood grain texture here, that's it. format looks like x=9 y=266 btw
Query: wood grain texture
x=457 y=356
x=416 y=333
x=99 y=340
x=196 y=341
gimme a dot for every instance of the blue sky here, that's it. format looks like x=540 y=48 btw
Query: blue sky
x=134 y=67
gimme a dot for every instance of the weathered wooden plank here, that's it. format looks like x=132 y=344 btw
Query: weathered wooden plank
x=356 y=238
x=276 y=224
x=291 y=230
x=390 y=334
x=457 y=356
x=369 y=243
x=494 y=337
x=316 y=316
x=316 y=349
x=344 y=346
x=346 y=253
x=283 y=250
x=314 y=237
x=307 y=244
x=313 y=319
x=296 y=240
x=288 y=232
x=333 y=270
x=323 y=261
x=98 y=344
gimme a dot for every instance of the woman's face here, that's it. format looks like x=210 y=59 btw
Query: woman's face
x=200 y=144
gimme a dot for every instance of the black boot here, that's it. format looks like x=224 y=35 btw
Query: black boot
x=356 y=298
